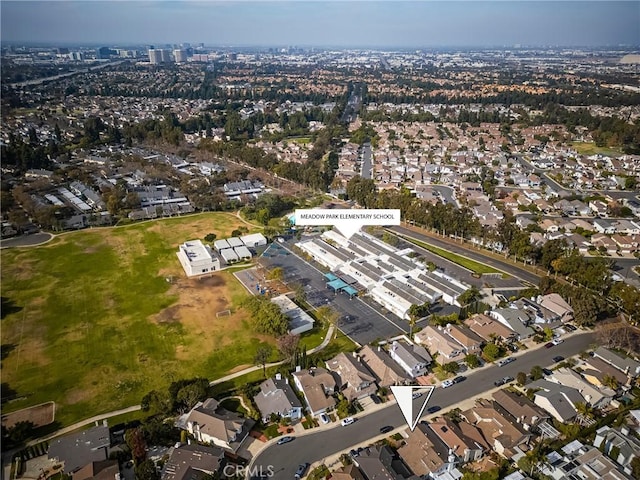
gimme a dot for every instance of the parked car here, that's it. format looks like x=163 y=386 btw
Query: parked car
x=285 y=440
x=558 y=358
x=557 y=341
x=375 y=398
x=302 y=468
x=505 y=361
x=416 y=395
x=459 y=378
x=324 y=418
x=549 y=345
x=386 y=429
x=447 y=383
x=433 y=409
x=503 y=381
x=347 y=421
x=570 y=327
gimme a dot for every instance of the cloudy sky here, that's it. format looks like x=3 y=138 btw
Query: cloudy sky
x=334 y=23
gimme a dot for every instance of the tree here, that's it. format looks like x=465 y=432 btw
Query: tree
x=451 y=367
x=327 y=314
x=521 y=378
x=635 y=467
x=548 y=334
x=288 y=345
x=146 y=470
x=611 y=382
x=491 y=351
x=469 y=296
x=210 y=237
x=536 y=372
x=156 y=402
x=135 y=441
x=276 y=274
x=585 y=412
x=191 y=394
x=472 y=360
x=262 y=357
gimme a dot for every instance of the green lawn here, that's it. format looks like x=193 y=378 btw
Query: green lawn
x=95 y=324
x=590 y=148
x=475 y=267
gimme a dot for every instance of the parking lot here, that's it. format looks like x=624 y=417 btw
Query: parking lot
x=360 y=321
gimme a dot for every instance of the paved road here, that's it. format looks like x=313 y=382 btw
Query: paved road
x=447 y=193
x=477 y=255
x=367 y=165
x=26 y=240
x=314 y=447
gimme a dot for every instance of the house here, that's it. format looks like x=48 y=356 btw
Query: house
x=602 y=241
x=386 y=371
x=582 y=462
x=192 y=462
x=102 y=470
x=503 y=435
x=197 y=259
x=557 y=305
x=598 y=207
x=462 y=439
x=515 y=319
x=348 y=472
x=624 y=364
x=277 y=397
x=618 y=444
x=488 y=328
x=523 y=410
x=471 y=342
x=597 y=369
x=413 y=359
x=604 y=226
x=209 y=423
x=354 y=379
x=598 y=398
x=437 y=342
x=377 y=463
x=425 y=454
x=557 y=399
x=318 y=386
x=79 y=449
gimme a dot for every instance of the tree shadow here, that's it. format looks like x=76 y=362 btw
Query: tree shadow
x=8 y=393
x=5 y=350
x=7 y=307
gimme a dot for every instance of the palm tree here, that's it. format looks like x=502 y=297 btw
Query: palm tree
x=586 y=413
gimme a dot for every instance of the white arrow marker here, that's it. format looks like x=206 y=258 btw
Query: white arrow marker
x=404 y=397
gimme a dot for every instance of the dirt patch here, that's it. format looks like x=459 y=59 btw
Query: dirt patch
x=208 y=282
x=170 y=314
x=39 y=415
x=78 y=395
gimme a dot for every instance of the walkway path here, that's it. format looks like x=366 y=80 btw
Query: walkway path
x=231 y=376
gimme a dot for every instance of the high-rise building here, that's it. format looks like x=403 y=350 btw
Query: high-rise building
x=180 y=55
x=155 y=56
x=165 y=55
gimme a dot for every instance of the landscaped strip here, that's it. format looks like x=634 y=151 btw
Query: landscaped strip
x=475 y=267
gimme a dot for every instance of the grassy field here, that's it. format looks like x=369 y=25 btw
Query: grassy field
x=590 y=148
x=475 y=267
x=94 y=323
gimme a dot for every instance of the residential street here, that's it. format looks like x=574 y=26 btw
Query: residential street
x=320 y=444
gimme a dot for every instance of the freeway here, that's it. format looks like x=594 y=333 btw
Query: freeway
x=316 y=446
x=477 y=255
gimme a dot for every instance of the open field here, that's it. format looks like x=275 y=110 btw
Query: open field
x=94 y=324
x=475 y=267
x=590 y=148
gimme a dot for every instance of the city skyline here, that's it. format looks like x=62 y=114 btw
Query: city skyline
x=345 y=24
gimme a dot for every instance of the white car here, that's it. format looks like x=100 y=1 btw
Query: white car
x=347 y=421
x=447 y=383
x=557 y=341
x=324 y=418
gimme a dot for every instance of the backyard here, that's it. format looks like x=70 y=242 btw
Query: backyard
x=98 y=318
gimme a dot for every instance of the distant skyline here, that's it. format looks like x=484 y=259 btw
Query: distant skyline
x=331 y=24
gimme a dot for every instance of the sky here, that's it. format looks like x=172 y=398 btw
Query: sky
x=335 y=23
